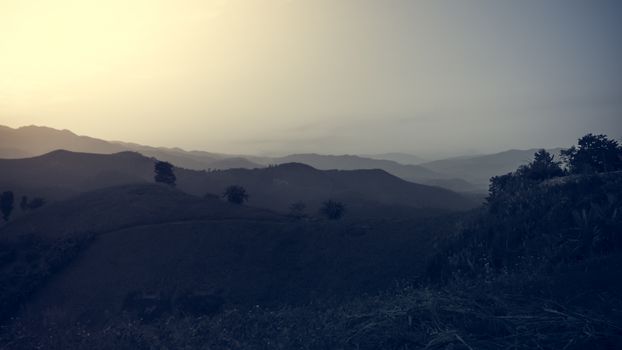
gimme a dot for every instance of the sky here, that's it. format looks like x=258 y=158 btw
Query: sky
x=432 y=78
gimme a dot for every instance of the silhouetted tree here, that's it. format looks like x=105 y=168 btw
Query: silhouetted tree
x=594 y=154
x=543 y=167
x=297 y=210
x=36 y=203
x=503 y=188
x=24 y=203
x=6 y=204
x=333 y=210
x=164 y=173
x=235 y=194
x=32 y=204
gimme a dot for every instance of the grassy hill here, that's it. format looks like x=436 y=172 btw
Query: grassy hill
x=91 y=254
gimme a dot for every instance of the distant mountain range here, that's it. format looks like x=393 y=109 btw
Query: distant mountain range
x=462 y=174
x=32 y=141
x=63 y=174
x=478 y=170
x=403 y=158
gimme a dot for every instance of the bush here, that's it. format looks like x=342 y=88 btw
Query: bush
x=235 y=194
x=594 y=154
x=332 y=210
x=164 y=173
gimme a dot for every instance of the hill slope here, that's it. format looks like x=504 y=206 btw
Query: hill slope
x=277 y=187
x=62 y=174
x=158 y=244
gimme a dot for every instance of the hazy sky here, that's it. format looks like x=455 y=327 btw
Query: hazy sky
x=330 y=76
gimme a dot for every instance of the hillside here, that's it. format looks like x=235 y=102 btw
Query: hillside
x=62 y=174
x=408 y=172
x=276 y=187
x=116 y=207
x=91 y=254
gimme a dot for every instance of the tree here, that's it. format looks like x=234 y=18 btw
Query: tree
x=31 y=204
x=6 y=204
x=333 y=210
x=164 y=173
x=36 y=203
x=594 y=154
x=235 y=194
x=543 y=167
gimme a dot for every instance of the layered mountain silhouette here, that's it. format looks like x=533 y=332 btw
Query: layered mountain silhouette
x=37 y=140
x=63 y=174
x=462 y=174
x=478 y=170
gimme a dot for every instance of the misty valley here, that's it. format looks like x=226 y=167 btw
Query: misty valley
x=112 y=245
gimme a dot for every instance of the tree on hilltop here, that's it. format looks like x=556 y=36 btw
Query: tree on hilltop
x=593 y=154
x=235 y=194
x=164 y=173
x=6 y=204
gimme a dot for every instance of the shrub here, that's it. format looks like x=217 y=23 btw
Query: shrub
x=235 y=194
x=333 y=210
x=164 y=173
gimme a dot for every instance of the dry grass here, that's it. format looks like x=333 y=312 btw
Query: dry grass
x=457 y=317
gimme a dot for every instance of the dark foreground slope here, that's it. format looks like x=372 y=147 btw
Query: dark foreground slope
x=149 y=250
x=62 y=174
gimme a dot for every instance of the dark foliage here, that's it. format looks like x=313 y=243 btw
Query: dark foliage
x=594 y=154
x=235 y=194
x=31 y=204
x=543 y=167
x=537 y=221
x=36 y=203
x=6 y=204
x=164 y=173
x=332 y=210
x=27 y=263
x=24 y=203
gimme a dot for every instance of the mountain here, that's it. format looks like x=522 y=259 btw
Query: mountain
x=62 y=174
x=404 y=158
x=277 y=187
x=413 y=173
x=478 y=170
x=37 y=140
x=463 y=174
x=11 y=153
